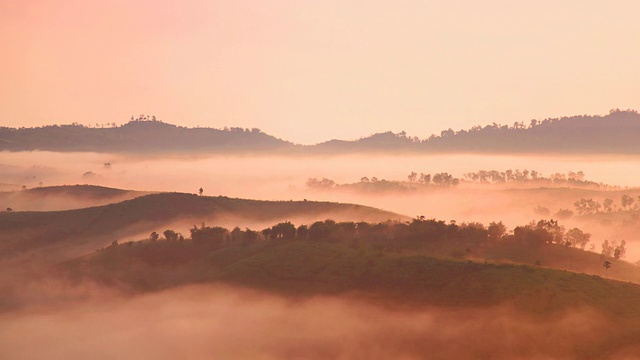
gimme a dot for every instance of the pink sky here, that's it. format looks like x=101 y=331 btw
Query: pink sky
x=314 y=70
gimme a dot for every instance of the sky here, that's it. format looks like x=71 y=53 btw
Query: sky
x=310 y=71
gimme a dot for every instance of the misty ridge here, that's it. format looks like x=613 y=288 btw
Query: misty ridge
x=420 y=277
x=427 y=283
x=614 y=133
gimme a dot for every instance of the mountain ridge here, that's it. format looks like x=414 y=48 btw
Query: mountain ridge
x=611 y=133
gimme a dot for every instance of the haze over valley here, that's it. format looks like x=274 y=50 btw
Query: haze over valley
x=319 y=180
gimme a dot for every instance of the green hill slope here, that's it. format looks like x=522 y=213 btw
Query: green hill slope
x=91 y=228
x=309 y=268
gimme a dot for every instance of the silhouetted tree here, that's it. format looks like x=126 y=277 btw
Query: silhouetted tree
x=303 y=232
x=578 y=238
x=496 y=230
x=586 y=206
x=607 y=265
x=200 y=191
x=626 y=201
x=620 y=250
x=284 y=230
x=607 y=249
x=563 y=214
x=325 y=183
x=208 y=236
x=170 y=235
x=154 y=236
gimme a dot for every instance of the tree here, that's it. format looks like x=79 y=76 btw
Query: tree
x=578 y=238
x=620 y=250
x=302 y=232
x=170 y=235
x=325 y=183
x=626 y=201
x=154 y=236
x=425 y=178
x=587 y=206
x=607 y=249
x=412 y=177
x=9 y=209
x=200 y=191
x=285 y=230
x=607 y=204
x=607 y=265
x=496 y=230
x=563 y=214
x=210 y=236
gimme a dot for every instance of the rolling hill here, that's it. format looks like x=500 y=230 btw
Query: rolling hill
x=308 y=268
x=90 y=228
x=65 y=197
x=614 y=133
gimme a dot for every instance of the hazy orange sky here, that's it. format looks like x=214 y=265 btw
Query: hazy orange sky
x=310 y=71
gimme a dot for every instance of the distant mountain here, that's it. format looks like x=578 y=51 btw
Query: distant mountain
x=609 y=134
x=138 y=136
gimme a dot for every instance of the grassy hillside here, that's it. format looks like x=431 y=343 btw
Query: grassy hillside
x=64 y=197
x=308 y=268
x=93 y=227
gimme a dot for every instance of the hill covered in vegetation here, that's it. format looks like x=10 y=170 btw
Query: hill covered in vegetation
x=403 y=262
x=139 y=135
x=610 y=134
x=24 y=231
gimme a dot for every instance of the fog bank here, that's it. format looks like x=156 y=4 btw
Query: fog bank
x=226 y=323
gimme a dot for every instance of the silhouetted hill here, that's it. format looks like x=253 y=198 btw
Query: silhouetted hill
x=613 y=133
x=609 y=134
x=138 y=136
x=91 y=228
x=64 y=197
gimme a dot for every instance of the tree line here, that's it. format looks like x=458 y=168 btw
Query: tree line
x=590 y=206
x=395 y=235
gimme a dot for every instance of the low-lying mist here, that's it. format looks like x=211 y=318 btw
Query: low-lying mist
x=284 y=178
x=205 y=322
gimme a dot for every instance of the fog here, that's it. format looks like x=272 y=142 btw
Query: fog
x=205 y=322
x=277 y=177
x=217 y=321
x=284 y=178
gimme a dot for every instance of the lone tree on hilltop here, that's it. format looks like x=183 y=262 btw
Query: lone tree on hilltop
x=607 y=265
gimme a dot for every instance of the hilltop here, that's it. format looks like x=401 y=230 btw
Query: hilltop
x=138 y=136
x=305 y=268
x=614 y=133
x=89 y=228
x=610 y=134
x=64 y=197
